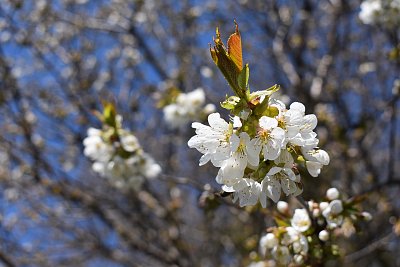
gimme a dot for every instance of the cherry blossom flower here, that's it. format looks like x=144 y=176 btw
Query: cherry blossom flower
x=301 y=221
x=270 y=138
x=213 y=141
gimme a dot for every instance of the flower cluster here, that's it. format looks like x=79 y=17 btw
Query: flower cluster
x=381 y=12
x=118 y=155
x=307 y=236
x=285 y=245
x=258 y=152
x=186 y=107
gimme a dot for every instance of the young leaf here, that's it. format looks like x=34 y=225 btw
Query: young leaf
x=230 y=102
x=109 y=114
x=229 y=61
x=243 y=78
x=266 y=92
x=235 y=48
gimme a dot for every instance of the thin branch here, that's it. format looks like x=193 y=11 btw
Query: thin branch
x=378 y=244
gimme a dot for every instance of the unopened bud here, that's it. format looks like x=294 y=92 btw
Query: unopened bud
x=298 y=259
x=282 y=207
x=269 y=241
x=323 y=205
x=316 y=213
x=336 y=207
x=323 y=235
x=367 y=216
x=332 y=193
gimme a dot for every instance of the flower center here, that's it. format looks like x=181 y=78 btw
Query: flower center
x=264 y=134
x=281 y=122
x=242 y=146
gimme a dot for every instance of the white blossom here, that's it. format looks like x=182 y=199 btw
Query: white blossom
x=380 y=12
x=332 y=193
x=247 y=191
x=315 y=160
x=323 y=235
x=127 y=169
x=242 y=155
x=231 y=173
x=282 y=207
x=369 y=11
x=213 y=141
x=366 y=215
x=298 y=259
x=187 y=107
x=301 y=221
x=95 y=147
x=270 y=138
x=281 y=254
x=268 y=241
x=281 y=178
x=323 y=205
x=333 y=215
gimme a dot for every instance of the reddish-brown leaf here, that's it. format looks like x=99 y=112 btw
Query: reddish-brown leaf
x=235 y=48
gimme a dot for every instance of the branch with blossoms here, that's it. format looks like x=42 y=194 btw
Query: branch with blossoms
x=259 y=152
x=117 y=154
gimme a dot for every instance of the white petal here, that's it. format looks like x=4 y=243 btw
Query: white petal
x=250 y=194
x=309 y=123
x=290 y=174
x=322 y=157
x=288 y=186
x=215 y=121
x=271 y=150
x=298 y=107
x=228 y=188
x=268 y=123
x=274 y=170
x=314 y=168
x=316 y=155
x=204 y=159
x=272 y=188
x=219 y=177
x=236 y=122
x=93 y=131
x=263 y=197
x=234 y=142
x=253 y=152
x=278 y=134
x=244 y=137
x=285 y=158
x=234 y=166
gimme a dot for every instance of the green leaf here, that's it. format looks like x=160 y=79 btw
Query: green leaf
x=281 y=222
x=271 y=111
x=266 y=92
x=109 y=114
x=230 y=102
x=243 y=78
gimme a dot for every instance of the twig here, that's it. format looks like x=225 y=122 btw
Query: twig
x=369 y=248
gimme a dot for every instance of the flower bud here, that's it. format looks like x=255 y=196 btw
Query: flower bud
x=332 y=193
x=282 y=207
x=316 y=213
x=323 y=235
x=336 y=207
x=269 y=241
x=298 y=259
x=209 y=108
x=367 y=216
x=323 y=205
